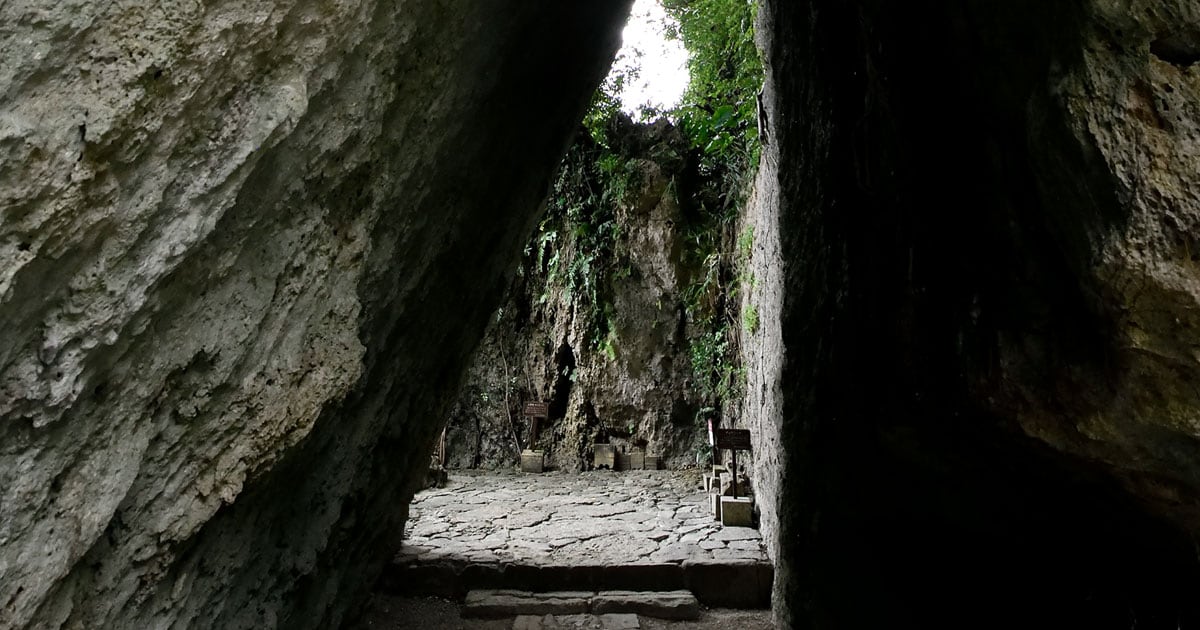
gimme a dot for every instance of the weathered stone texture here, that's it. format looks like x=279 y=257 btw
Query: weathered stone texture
x=1133 y=106
x=986 y=215
x=762 y=351
x=636 y=394
x=245 y=248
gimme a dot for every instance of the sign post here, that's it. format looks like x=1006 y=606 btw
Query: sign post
x=536 y=411
x=735 y=440
x=533 y=460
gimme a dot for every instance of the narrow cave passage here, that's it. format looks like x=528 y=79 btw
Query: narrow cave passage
x=959 y=432
x=617 y=344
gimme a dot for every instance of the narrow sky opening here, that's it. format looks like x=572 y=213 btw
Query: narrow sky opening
x=653 y=65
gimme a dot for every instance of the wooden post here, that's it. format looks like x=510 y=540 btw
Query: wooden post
x=536 y=411
x=735 y=440
x=733 y=456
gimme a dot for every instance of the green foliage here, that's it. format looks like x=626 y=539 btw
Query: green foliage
x=719 y=373
x=578 y=251
x=578 y=244
x=720 y=110
x=719 y=117
x=750 y=319
x=609 y=345
x=606 y=102
x=746 y=244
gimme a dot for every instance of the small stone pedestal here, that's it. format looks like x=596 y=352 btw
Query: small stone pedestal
x=727 y=488
x=736 y=512
x=605 y=456
x=713 y=482
x=533 y=461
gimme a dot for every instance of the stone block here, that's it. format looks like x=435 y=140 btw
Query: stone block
x=679 y=604
x=622 y=462
x=637 y=460
x=527 y=622
x=743 y=488
x=733 y=532
x=605 y=456
x=504 y=603
x=714 y=501
x=648 y=576
x=730 y=583
x=533 y=461
x=715 y=484
x=737 y=512
x=618 y=622
x=561 y=577
x=653 y=462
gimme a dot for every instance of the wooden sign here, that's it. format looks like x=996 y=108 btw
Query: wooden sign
x=537 y=409
x=733 y=439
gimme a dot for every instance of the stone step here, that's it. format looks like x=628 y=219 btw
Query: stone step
x=732 y=583
x=494 y=604
x=577 y=622
x=657 y=604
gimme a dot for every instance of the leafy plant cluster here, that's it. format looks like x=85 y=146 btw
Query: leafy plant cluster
x=719 y=117
x=720 y=108
x=579 y=243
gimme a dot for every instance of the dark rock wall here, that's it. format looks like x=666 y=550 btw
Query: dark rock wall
x=985 y=409
x=245 y=251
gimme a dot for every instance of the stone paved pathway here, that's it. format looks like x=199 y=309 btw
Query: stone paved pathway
x=555 y=518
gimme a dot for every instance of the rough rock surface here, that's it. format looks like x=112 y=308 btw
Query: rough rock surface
x=509 y=603
x=977 y=226
x=657 y=604
x=245 y=249
x=637 y=392
x=494 y=604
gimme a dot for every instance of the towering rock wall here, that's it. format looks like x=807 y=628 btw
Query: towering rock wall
x=977 y=222
x=245 y=250
x=600 y=331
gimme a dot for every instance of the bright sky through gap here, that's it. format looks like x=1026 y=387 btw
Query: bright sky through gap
x=663 y=76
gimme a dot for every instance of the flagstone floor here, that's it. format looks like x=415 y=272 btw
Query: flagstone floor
x=556 y=518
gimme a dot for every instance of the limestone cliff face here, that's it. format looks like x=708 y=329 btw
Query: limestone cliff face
x=978 y=222
x=630 y=384
x=245 y=249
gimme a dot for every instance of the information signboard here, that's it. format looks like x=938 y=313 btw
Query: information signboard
x=733 y=439
x=537 y=409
